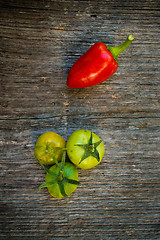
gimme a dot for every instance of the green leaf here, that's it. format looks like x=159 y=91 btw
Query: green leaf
x=44 y=185
x=85 y=155
x=81 y=145
x=61 y=188
x=46 y=169
x=71 y=181
x=90 y=140
x=53 y=157
x=97 y=143
x=96 y=155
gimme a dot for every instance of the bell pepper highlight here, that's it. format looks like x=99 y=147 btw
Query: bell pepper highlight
x=96 y=65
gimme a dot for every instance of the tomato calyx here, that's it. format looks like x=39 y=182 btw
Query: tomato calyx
x=58 y=178
x=49 y=151
x=90 y=149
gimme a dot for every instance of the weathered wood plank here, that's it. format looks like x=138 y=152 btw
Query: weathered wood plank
x=39 y=42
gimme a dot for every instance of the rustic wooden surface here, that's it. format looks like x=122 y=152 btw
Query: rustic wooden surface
x=40 y=40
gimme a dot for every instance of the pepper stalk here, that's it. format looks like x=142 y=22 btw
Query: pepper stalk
x=117 y=50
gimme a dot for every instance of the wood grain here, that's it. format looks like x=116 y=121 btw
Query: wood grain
x=39 y=42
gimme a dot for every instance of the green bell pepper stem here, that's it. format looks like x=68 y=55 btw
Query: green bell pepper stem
x=117 y=50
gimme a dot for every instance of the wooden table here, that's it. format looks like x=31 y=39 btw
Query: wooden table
x=40 y=41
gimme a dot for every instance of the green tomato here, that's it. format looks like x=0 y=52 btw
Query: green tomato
x=85 y=149
x=61 y=180
x=49 y=148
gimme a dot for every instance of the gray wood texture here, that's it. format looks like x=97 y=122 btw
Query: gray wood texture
x=39 y=42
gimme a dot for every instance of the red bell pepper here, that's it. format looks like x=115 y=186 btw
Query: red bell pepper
x=96 y=65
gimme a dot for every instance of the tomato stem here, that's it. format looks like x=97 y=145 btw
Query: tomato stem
x=60 y=177
x=59 y=148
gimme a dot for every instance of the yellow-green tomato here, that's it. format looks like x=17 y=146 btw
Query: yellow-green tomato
x=62 y=183
x=85 y=149
x=47 y=149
